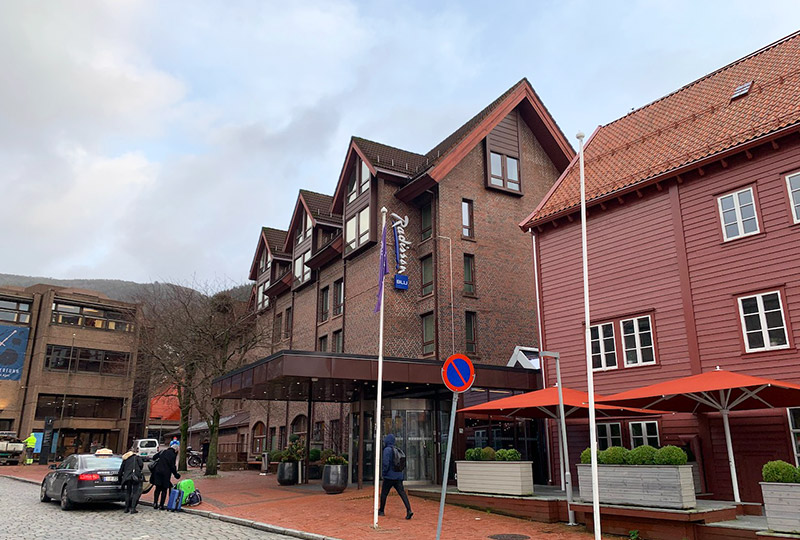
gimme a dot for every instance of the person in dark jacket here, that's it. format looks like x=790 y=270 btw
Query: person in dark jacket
x=392 y=478
x=161 y=475
x=131 y=476
x=205 y=447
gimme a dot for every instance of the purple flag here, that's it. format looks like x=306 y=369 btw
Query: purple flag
x=384 y=263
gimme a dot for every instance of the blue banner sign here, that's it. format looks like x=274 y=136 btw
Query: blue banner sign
x=13 y=344
x=401 y=246
x=401 y=282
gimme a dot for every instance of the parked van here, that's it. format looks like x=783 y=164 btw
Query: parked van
x=146 y=448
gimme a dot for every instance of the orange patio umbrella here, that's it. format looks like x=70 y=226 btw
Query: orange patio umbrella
x=713 y=391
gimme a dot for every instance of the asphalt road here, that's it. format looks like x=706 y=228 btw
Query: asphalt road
x=22 y=515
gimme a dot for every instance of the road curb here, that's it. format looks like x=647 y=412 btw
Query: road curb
x=242 y=522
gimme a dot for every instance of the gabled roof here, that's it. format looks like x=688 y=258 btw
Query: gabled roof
x=434 y=165
x=318 y=206
x=691 y=124
x=272 y=240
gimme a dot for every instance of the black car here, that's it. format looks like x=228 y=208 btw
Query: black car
x=83 y=478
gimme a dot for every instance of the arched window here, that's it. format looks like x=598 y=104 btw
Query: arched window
x=299 y=425
x=259 y=437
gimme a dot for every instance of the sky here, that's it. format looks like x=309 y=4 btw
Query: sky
x=146 y=140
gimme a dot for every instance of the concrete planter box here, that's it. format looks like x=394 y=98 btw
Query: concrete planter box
x=782 y=505
x=661 y=486
x=495 y=477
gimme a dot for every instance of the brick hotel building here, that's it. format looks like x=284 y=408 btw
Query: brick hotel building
x=471 y=290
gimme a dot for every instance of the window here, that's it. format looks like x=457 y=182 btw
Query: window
x=288 y=319
x=262 y=298
x=762 y=322
x=273 y=443
x=277 y=327
x=427 y=221
x=78 y=407
x=793 y=184
x=13 y=311
x=604 y=349
x=90 y=317
x=259 y=438
x=794 y=430
x=471 y=331
x=469 y=274
x=324 y=307
x=644 y=433
x=609 y=435
x=467 y=227
x=637 y=339
x=323 y=344
x=338 y=297
x=357 y=229
x=302 y=273
x=282 y=438
x=427 y=334
x=427 y=275
x=503 y=171
x=304 y=229
x=83 y=360
x=337 y=341
x=738 y=214
x=358 y=183
x=335 y=434
x=265 y=262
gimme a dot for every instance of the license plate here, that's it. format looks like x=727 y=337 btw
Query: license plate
x=109 y=479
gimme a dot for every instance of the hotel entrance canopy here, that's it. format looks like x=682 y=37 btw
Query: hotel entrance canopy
x=339 y=377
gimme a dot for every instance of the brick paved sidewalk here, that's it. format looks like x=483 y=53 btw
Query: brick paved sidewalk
x=348 y=516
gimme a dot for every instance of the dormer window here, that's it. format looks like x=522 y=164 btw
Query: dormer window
x=503 y=156
x=265 y=262
x=303 y=231
x=358 y=183
x=358 y=216
x=302 y=273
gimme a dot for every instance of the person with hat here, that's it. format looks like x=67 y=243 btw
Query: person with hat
x=162 y=472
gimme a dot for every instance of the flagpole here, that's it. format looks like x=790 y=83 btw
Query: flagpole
x=588 y=345
x=378 y=405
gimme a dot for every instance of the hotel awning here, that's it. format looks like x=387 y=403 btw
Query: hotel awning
x=338 y=377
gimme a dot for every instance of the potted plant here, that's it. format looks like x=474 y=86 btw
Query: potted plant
x=334 y=473
x=288 y=470
x=644 y=476
x=781 y=491
x=500 y=473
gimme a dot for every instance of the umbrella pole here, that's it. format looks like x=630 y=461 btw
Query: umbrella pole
x=734 y=480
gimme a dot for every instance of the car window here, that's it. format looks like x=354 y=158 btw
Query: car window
x=147 y=444
x=68 y=463
x=98 y=462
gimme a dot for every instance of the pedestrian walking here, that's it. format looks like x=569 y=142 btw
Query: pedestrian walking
x=30 y=444
x=162 y=472
x=204 y=450
x=392 y=466
x=131 y=476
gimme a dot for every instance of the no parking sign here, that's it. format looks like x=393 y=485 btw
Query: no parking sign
x=458 y=373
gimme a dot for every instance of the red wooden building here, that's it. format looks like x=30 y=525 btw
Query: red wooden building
x=694 y=259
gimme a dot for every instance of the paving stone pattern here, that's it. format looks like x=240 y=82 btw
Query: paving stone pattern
x=23 y=516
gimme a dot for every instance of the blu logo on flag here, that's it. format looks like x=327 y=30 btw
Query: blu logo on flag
x=401 y=246
x=13 y=344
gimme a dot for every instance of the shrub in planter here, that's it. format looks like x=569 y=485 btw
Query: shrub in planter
x=276 y=455
x=586 y=456
x=488 y=454
x=510 y=454
x=473 y=454
x=641 y=455
x=314 y=455
x=334 y=474
x=288 y=470
x=780 y=472
x=670 y=455
x=336 y=460
x=614 y=455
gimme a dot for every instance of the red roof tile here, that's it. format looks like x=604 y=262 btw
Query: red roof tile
x=692 y=123
x=276 y=238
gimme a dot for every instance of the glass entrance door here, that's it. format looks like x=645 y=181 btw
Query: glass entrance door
x=413 y=430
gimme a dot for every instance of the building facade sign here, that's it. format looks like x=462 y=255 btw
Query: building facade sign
x=13 y=344
x=401 y=246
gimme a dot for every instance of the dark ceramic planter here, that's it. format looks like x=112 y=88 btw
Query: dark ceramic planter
x=334 y=479
x=287 y=473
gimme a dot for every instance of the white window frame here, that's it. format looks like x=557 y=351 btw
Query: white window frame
x=603 y=351
x=794 y=433
x=637 y=336
x=737 y=209
x=608 y=438
x=645 y=433
x=794 y=202
x=763 y=318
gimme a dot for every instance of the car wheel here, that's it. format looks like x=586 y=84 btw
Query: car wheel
x=43 y=493
x=66 y=504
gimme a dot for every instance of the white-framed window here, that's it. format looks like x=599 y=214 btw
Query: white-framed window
x=604 y=350
x=609 y=435
x=793 y=185
x=737 y=212
x=763 y=324
x=794 y=429
x=302 y=272
x=637 y=341
x=644 y=433
x=262 y=298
